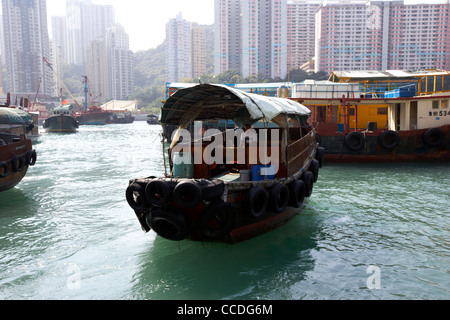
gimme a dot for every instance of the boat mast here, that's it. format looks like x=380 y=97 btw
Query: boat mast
x=85 y=93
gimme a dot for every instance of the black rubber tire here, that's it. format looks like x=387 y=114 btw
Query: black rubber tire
x=297 y=193
x=170 y=224
x=320 y=156
x=314 y=168
x=18 y=164
x=256 y=201
x=389 y=139
x=135 y=195
x=187 y=194
x=308 y=180
x=434 y=137
x=278 y=198
x=217 y=220
x=31 y=158
x=211 y=189
x=158 y=192
x=355 y=141
x=5 y=170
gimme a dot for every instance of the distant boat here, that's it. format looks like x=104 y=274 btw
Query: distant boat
x=120 y=117
x=152 y=119
x=93 y=116
x=61 y=119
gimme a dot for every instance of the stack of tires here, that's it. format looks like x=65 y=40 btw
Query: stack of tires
x=280 y=196
x=177 y=209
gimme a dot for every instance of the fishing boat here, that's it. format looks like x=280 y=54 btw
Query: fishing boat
x=232 y=185
x=119 y=117
x=61 y=119
x=16 y=151
x=387 y=116
x=152 y=119
x=93 y=116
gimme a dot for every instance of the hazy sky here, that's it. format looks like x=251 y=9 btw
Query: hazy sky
x=145 y=21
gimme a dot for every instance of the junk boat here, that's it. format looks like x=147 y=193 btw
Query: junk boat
x=16 y=151
x=373 y=116
x=61 y=119
x=229 y=186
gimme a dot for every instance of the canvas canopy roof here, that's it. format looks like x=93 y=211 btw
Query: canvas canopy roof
x=217 y=102
x=385 y=75
x=13 y=116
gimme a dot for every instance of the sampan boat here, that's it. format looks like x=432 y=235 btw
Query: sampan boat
x=229 y=185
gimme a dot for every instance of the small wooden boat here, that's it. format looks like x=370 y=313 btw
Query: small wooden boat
x=61 y=119
x=229 y=185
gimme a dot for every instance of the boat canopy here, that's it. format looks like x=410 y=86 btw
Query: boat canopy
x=14 y=116
x=218 y=102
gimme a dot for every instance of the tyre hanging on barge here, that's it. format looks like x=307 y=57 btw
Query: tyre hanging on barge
x=241 y=193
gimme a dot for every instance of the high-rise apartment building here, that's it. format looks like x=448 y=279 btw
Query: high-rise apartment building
x=120 y=63
x=251 y=36
x=300 y=32
x=419 y=36
x=59 y=35
x=198 y=50
x=26 y=42
x=227 y=35
x=178 y=49
x=109 y=65
x=380 y=35
x=85 y=22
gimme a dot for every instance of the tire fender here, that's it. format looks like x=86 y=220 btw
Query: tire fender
x=278 y=197
x=256 y=202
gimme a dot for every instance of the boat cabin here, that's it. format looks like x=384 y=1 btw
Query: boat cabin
x=264 y=145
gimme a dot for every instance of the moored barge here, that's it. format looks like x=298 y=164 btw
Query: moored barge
x=374 y=116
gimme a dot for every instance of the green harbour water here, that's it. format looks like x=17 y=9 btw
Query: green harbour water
x=369 y=232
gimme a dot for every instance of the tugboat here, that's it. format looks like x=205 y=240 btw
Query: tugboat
x=61 y=119
x=232 y=185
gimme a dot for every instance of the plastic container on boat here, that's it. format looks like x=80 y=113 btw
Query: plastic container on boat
x=246 y=175
x=183 y=166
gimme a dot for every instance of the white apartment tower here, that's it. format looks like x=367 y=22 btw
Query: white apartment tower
x=178 y=49
x=381 y=35
x=109 y=65
x=26 y=42
x=301 y=32
x=227 y=35
x=120 y=62
x=85 y=22
x=251 y=36
x=198 y=50
x=59 y=35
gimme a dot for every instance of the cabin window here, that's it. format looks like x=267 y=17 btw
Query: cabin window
x=444 y=104
x=435 y=104
x=382 y=111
